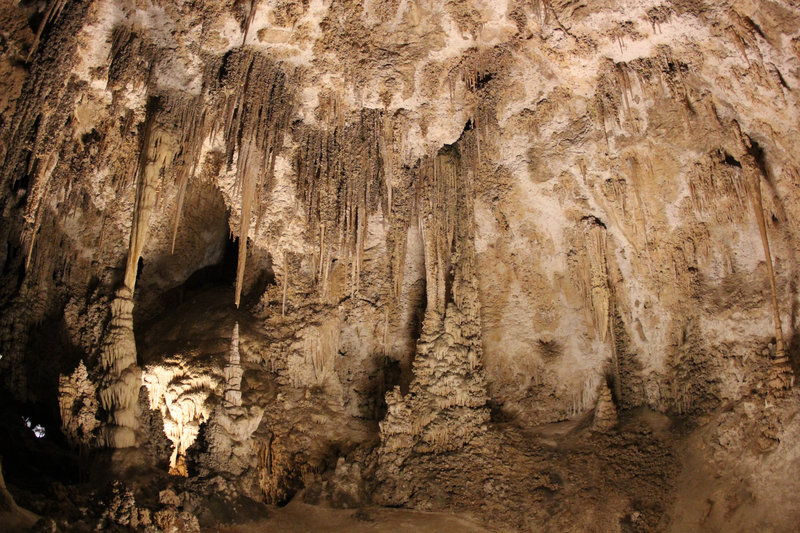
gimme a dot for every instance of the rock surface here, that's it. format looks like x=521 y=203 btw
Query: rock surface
x=530 y=261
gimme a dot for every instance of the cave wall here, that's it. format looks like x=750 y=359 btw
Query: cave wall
x=619 y=155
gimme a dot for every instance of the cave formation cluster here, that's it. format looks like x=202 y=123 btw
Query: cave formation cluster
x=524 y=264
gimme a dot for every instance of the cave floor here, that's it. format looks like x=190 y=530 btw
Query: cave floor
x=298 y=517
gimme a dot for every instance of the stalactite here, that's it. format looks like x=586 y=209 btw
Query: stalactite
x=599 y=292
x=257 y=106
x=595 y=284
x=159 y=148
x=285 y=282
x=33 y=150
x=397 y=241
x=437 y=216
x=341 y=182
x=248 y=18
x=119 y=388
x=35 y=200
x=717 y=188
x=782 y=377
x=51 y=14
x=322 y=345
x=193 y=122
x=474 y=72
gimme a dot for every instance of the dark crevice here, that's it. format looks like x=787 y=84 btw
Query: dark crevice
x=760 y=157
x=32 y=462
x=755 y=27
x=729 y=160
x=593 y=220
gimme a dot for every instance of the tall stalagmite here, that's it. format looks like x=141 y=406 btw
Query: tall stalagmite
x=119 y=388
x=446 y=406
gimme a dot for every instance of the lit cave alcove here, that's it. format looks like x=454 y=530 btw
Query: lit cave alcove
x=186 y=325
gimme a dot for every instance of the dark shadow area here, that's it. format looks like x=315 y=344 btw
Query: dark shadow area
x=482 y=80
x=259 y=275
x=34 y=451
x=220 y=274
x=30 y=462
x=793 y=352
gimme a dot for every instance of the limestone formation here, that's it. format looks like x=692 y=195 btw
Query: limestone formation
x=119 y=388
x=446 y=406
x=185 y=399
x=533 y=262
x=77 y=402
x=605 y=413
x=233 y=372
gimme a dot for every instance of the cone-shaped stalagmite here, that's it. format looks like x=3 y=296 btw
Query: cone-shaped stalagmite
x=446 y=408
x=233 y=372
x=605 y=413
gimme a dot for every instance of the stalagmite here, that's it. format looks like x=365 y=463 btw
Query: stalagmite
x=233 y=372
x=605 y=413
x=465 y=265
x=119 y=388
x=77 y=402
x=446 y=406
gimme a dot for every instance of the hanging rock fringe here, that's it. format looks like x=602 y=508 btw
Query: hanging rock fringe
x=341 y=181
x=257 y=106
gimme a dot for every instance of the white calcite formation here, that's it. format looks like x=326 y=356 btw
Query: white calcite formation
x=227 y=434
x=185 y=398
x=78 y=405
